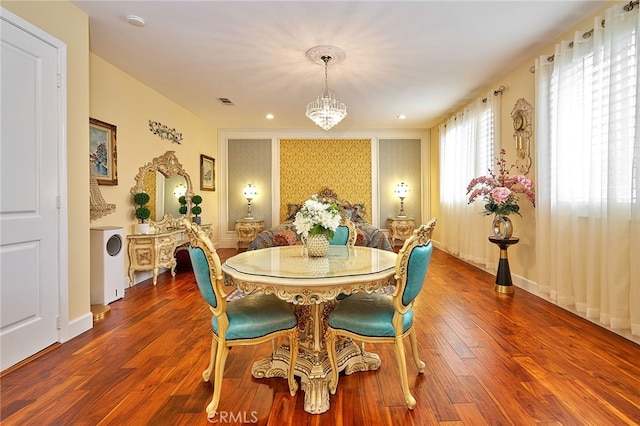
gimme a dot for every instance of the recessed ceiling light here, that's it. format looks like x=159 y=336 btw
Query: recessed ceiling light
x=136 y=21
x=402 y=116
x=269 y=116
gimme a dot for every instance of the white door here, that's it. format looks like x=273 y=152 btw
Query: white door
x=29 y=216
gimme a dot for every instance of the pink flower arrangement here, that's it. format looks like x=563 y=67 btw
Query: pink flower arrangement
x=500 y=192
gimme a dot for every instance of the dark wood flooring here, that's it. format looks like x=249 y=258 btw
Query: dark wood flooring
x=491 y=360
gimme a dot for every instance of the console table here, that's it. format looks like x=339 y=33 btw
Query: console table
x=150 y=252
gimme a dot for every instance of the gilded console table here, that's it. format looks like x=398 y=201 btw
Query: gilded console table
x=150 y=252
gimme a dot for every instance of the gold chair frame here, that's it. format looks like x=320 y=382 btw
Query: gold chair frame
x=420 y=237
x=219 y=344
x=353 y=233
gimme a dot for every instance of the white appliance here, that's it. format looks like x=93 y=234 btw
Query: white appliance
x=107 y=264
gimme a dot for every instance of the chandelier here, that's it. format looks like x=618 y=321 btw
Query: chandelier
x=326 y=111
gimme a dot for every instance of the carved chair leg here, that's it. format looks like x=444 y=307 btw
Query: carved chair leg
x=414 y=349
x=206 y=374
x=331 y=352
x=402 y=368
x=293 y=345
x=221 y=359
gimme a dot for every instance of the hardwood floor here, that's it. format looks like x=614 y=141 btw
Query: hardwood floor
x=491 y=360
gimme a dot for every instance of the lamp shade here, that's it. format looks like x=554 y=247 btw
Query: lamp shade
x=249 y=192
x=401 y=190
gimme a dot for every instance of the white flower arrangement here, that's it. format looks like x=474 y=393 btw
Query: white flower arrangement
x=316 y=217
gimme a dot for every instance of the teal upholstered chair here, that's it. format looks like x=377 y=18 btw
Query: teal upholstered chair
x=345 y=235
x=381 y=318
x=250 y=320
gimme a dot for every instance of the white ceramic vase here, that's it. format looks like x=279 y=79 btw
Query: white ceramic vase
x=317 y=245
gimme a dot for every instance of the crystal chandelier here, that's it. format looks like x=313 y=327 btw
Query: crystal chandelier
x=326 y=111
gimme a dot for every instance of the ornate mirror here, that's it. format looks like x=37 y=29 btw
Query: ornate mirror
x=164 y=180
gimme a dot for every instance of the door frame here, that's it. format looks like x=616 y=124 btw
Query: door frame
x=64 y=332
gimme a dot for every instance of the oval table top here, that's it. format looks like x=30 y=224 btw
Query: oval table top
x=286 y=272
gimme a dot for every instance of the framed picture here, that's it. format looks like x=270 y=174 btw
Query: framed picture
x=207 y=173
x=102 y=148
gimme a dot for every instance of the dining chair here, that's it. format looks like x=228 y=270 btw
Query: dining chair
x=345 y=234
x=250 y=320
x=381 y=318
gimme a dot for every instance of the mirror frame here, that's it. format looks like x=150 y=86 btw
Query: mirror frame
x=169 y=165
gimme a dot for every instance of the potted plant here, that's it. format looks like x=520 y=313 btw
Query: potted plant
x=196 y=209
x=316 y=222
x=500 y=194
x=183 y=205
x=142 y=211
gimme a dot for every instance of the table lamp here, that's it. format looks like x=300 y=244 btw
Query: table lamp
x=402 y=190
x=249 y=193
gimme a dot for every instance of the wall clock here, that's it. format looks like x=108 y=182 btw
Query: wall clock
x=519 y=122
x=522 y=132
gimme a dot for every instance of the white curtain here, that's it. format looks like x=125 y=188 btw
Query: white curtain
x=588 y=214
x=467 y=150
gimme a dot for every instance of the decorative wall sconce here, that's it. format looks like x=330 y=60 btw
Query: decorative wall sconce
x=249 y=193
x=179 y=191
x=164 y=132
x=402 y=190
x=522 y=115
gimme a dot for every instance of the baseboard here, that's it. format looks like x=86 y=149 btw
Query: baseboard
x=532 y=287
x=77 y=327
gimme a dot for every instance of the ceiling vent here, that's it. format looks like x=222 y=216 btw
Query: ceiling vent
x=225 y=101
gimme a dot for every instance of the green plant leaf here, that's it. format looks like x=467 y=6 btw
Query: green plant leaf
x=141 y=198
x=143 y=213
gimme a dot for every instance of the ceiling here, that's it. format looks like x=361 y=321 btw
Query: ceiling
x=423 y=59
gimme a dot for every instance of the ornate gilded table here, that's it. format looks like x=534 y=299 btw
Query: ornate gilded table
x=247 y=230
x=312 y=284
x=400 y=228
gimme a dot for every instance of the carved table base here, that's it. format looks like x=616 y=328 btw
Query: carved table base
x=314 y=369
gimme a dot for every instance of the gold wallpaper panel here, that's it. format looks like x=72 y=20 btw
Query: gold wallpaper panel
x=149 y=185
x=308 y=165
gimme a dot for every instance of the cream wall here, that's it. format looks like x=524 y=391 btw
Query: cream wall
x=70 y=25
x=99 y=90
x=519 y=84
x=119 y=99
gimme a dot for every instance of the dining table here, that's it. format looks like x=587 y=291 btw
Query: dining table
x=313 y=285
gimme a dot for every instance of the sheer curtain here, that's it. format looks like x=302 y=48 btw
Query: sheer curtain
x=467 y=150
x=588 y=215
